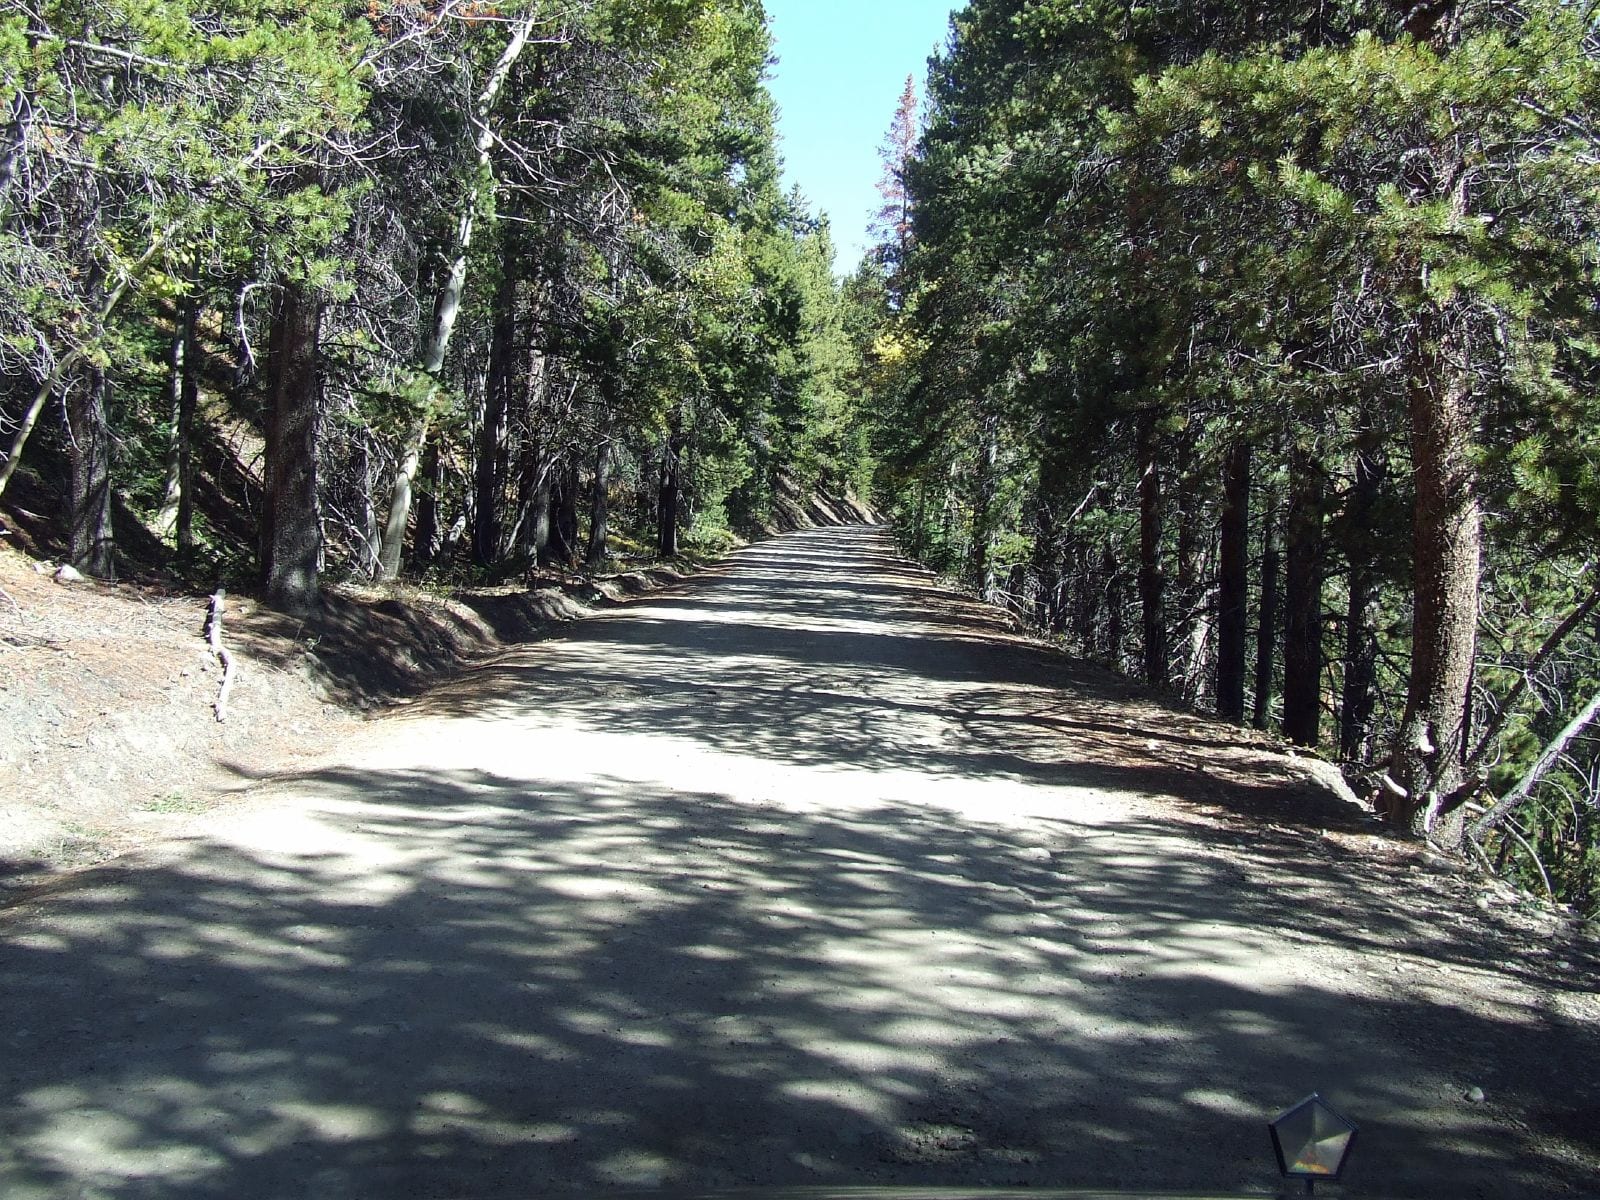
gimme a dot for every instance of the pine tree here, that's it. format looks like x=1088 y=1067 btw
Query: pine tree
x=1329 y=258
x=892 y=224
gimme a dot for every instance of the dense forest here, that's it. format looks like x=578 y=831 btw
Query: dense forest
x=457 y=286
x=1249 y=348
x=1252 y=349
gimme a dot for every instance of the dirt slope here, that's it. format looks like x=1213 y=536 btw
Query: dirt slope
x=809 y=872
x=108 y=733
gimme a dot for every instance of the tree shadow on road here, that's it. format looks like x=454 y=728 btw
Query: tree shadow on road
x=787 y=658
x=576 y=989
x=447 y=982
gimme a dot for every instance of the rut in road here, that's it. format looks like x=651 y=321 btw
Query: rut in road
x=809 y=872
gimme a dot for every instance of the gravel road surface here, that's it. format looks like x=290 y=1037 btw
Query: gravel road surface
x=809 y=872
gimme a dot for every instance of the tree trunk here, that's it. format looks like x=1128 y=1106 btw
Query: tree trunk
x=1302 y=597
x=188 y=407
x=599 y=507
x=450 y=542
x=669 y=496
x=371 y=538
x=1447 y=542
x=448 y=303
x=489 y=479
x=166 y=518
x=1188 y=632
x=1267 y=627
x=532 y=533
x=980 y=567
x=1116 y=634
x=292 y=523
x=1358 y=696
x=1087 y=589
x=426 y=544
x=400 y=493
x=947 y=529
x=92 y=546
x=1152 y=582
x=1233 y=582
x=1049 y=555
x=1430 y=751
x=564 y=513
x=16 y=136
x=1192 y=632
x=919 y=528
x=68 y=362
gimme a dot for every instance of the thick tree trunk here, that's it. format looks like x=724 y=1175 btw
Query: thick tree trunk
x=293 y=526
x=533 y=520
x=1267 y=625
x=1429 y=759
x=489 y=478
x=92 y=548
x=532 y=532
x=980 y=567
x=599 y=508
x=1152 y=582
x=563 y=548
x=669 y=496
x=1358 y=694
x=425 y=545
x=1233 y=582
x=1447 y=538
x=1302 y=602
x=1447 y=543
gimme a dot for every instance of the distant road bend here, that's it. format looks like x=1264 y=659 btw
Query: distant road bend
x=806 y=872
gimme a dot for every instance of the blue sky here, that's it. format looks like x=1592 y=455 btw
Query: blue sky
x=841 y=67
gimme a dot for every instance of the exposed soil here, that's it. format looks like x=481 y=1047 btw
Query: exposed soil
x=807 y=871
x=109 y=738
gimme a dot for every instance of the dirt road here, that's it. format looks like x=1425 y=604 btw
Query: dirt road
x=806 y=873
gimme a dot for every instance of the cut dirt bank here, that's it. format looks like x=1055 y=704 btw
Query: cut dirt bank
x=108 y=736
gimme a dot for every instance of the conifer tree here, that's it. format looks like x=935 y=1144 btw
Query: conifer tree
x=1301 y=279
x=891 y=223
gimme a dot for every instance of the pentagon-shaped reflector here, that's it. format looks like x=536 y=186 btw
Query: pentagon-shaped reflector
x=1312 y=1140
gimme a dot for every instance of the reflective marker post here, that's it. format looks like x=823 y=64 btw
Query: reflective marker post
x=1312 y=1141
